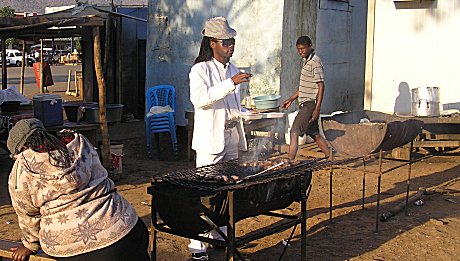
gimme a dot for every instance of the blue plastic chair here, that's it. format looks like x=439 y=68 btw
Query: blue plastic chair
x=161 y=95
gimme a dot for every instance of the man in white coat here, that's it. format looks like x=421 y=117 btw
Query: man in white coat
x=218 y=134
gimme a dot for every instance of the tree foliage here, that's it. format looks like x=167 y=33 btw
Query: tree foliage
x=6 y=11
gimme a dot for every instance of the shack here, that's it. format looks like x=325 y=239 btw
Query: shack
x=95 y=26
x=123 y=36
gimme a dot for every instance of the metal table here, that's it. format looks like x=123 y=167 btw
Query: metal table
x=7 y=121
x=273 y=123
x=89 y=130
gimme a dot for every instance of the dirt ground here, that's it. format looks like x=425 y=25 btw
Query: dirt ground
x=428 y=232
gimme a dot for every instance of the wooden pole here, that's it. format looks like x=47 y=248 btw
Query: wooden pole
x=107 y=43
x=42 y=89
x=23 y=64
x=101 y=86
x=4 y=71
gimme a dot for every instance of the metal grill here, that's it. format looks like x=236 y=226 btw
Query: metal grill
x=189 y=205
x=201 y=178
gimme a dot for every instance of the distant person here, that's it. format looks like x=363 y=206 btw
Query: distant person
x=310 y=96
x=37 y=56
x=65 y=202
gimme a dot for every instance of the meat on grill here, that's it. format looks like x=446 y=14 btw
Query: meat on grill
x=220 y=178
x=251 y=168
x=263 y=165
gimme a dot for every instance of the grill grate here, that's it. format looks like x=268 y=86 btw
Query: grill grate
x=198 y=178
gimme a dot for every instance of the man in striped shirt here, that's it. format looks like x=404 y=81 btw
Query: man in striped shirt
x=310 y=96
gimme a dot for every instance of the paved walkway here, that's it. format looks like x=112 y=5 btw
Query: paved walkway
x=60 y=76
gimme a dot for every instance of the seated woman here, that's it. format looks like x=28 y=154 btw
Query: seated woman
x=65 y=202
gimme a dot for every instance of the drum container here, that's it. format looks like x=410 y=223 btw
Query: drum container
x=425 y=101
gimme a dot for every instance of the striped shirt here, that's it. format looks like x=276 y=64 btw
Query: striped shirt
x=312 y=73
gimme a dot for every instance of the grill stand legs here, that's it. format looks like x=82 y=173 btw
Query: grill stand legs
x=411 y=148
x=303 y=224
x=364 y=183
x=380 y=173
x=379 y=181
x=331 y=171
x=231 y=242
x=230 y=232
x=230 y=251
x=153 y=232
x=231 y=238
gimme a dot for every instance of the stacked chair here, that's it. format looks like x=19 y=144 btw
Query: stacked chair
x=161 y=95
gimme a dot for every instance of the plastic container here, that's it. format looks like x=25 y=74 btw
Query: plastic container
x=113 y=113
x=266 y=101
x=426 y=101
x=73 y=110
x=116 y=156
x=48 y=109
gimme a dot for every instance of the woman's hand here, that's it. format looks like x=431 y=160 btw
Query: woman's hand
x=21 y=253
x=241 y=77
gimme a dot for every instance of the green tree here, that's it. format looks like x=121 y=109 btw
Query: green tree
x=4 y=12
x=77 y=45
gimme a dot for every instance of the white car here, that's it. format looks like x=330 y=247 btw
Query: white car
x=15 y=58
x=7 y=60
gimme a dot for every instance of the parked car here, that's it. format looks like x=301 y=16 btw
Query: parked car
x=7 y=60
x=15 y=58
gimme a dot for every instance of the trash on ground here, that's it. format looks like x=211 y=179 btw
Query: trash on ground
x=451 y=200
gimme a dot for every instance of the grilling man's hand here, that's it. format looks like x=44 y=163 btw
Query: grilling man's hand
x=241 y=77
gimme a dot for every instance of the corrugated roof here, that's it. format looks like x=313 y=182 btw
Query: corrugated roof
x=39 y=6
x=39 y=26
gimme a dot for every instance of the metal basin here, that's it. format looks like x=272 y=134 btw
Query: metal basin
x=113 y=113
x=73 y=110
x=348 y=133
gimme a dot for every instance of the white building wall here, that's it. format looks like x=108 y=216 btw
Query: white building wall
x=414 y=46
x=341 y=44
x=173 y=43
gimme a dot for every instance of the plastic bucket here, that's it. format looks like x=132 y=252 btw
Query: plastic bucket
x=116 y=157
x=266 y=101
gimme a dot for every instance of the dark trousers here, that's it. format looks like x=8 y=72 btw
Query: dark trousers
x=134 y=246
